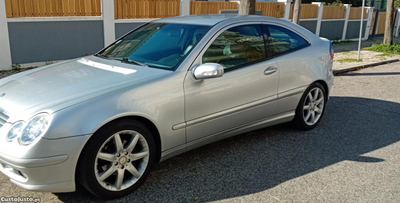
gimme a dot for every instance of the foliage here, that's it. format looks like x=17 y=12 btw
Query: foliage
x=354 y=3
x=386 y=49
x=349 y=60
x=335 y=3
x=16 y=67
x=396 y=3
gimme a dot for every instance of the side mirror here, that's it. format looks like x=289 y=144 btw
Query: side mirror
x=208 y=70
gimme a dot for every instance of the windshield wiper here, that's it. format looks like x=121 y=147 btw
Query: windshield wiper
x=101 y=56
x=127 y=60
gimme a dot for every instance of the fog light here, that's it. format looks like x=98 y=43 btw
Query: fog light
x=19 y=173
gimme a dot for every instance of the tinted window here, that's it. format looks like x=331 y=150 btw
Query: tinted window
x=157 y=44
x=280 y=40
x=236 y=46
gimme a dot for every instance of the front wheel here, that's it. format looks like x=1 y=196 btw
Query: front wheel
x=311 y=107
x=117 y=159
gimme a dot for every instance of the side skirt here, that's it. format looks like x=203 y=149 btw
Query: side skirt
x=270 y=121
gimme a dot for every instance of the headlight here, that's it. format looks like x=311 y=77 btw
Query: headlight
x=15 y=130
x=35 y=128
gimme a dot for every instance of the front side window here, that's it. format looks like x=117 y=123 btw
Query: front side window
x=236 y=46
x=157 y=45
x=279 y=40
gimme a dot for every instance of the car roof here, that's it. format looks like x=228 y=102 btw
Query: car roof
x=212 y=19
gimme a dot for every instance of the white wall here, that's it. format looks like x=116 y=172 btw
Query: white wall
x=5 y=53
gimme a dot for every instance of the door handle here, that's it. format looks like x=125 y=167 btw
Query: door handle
x=270 y=70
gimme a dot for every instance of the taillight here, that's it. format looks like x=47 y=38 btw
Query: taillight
x=331 y=50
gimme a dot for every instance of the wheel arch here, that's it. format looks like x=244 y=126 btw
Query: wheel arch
x=325 y=85
x=127 y=118
x=298 y=119
x=145 y=121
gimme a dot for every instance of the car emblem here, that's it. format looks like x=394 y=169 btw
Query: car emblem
x=2 y=94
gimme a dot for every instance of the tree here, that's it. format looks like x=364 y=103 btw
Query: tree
x=296 y=11
x=247 y=7
x=354 y=3
x=388 y=36
x=396 y=3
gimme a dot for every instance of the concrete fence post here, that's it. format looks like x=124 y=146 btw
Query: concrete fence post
x=108 y=21
x=5 y=52
x=397 y=23
x=319 y=16
x=370 y=13
x=184 y=8
x=286 y=13
x=346 y=20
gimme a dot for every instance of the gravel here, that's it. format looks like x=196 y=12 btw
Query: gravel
x=348 y=50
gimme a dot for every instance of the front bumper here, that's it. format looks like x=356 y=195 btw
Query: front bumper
x=52 y=173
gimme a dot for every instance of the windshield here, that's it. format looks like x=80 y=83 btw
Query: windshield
x=157 y=45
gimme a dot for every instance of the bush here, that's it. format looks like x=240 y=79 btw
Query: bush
x=335 y=3
x=16 y=66
x=396 y=3
x=385 y=48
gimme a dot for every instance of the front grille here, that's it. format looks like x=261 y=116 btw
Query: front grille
x=3 y=117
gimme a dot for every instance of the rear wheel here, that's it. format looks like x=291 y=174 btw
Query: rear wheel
x=311 y=107
x=117 y=159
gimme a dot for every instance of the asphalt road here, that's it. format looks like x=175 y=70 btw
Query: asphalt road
x=352 y=156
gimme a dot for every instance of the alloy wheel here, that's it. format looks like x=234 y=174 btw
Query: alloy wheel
x=121 y=160
x=313 y=106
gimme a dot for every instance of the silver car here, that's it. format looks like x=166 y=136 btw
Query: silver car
x=167 y=87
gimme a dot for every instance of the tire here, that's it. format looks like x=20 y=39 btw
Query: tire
x=102 y=162
x=302 y=119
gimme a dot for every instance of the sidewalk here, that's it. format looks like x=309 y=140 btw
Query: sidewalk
x=346 y=53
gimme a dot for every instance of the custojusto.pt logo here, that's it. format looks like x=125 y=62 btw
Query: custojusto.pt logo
x=19 y=199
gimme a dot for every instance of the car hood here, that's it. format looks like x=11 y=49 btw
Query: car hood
x=44 y=89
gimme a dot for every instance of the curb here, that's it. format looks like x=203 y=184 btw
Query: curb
x=345 y=70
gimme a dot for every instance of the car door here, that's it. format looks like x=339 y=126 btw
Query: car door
x=289 y=49
x=245 y=93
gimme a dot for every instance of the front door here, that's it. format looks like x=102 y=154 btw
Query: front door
x=245 y=93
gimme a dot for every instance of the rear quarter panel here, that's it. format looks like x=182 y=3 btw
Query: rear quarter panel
x=301 y=68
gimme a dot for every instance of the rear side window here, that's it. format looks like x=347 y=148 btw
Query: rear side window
x=237 y=46
x=280 y=40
